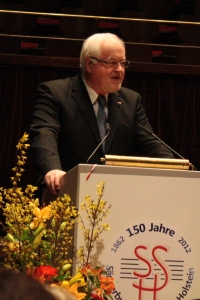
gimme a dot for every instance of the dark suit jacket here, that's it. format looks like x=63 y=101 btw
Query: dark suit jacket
x=64 y=130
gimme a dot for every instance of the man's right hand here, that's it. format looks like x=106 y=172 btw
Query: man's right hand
x=52 y=179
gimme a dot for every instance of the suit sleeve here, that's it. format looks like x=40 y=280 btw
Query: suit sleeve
x=44 y=131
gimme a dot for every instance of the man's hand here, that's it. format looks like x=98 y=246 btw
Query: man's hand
x=52 y=179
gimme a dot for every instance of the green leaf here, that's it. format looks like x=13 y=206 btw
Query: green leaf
x=25 y=236
x=38 y=231
x=46 y=244
x=108 y=297
x=91 y=277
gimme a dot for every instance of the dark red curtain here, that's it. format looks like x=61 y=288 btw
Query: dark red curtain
x=173 y=107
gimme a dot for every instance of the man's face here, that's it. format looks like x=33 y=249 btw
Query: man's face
x=106 y=78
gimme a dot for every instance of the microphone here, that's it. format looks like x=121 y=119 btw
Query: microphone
x=153 y=134
x=105 y=137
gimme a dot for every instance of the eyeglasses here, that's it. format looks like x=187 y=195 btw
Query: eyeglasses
x=113 y=64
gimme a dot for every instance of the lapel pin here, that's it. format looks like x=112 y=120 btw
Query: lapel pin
x=119 y=103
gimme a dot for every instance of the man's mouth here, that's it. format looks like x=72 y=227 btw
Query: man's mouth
x=116 y=77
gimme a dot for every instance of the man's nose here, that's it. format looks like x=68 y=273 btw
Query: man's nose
x=119 y=65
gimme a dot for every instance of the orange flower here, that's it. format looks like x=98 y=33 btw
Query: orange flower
x=107 y=284
x=88 y=271
x=100 y=284
x=97 y=292
x=99 y=271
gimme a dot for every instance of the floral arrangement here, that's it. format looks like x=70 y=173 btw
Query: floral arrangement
x=38 y=240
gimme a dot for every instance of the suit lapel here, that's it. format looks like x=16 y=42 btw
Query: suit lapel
x=82 y=99
x=115 y=106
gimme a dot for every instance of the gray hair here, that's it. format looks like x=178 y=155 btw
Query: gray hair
x=92 y=45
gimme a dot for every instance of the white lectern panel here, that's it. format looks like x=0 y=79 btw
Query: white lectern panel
x=153 y=247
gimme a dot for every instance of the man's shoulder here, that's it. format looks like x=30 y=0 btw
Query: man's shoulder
x=60 y=83
x=56 y=82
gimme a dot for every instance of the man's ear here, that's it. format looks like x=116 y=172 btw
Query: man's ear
x=88 y=65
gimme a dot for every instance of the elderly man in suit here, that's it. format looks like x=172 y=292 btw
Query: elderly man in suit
x=65 y=131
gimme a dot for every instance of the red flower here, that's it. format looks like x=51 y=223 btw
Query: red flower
x=45 y=273
x=97 y=297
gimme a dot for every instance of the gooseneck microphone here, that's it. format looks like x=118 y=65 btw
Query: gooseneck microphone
x=153 y=134
x=105 y=137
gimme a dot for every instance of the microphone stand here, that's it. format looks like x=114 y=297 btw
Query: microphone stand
x=154 y=135
x=105 y=137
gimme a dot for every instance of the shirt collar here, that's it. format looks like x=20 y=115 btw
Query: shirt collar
x=92 y=94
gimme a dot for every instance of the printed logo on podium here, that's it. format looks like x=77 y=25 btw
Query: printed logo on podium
x=151 y=260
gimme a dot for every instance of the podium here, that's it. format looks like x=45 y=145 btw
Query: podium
x=153 y=247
